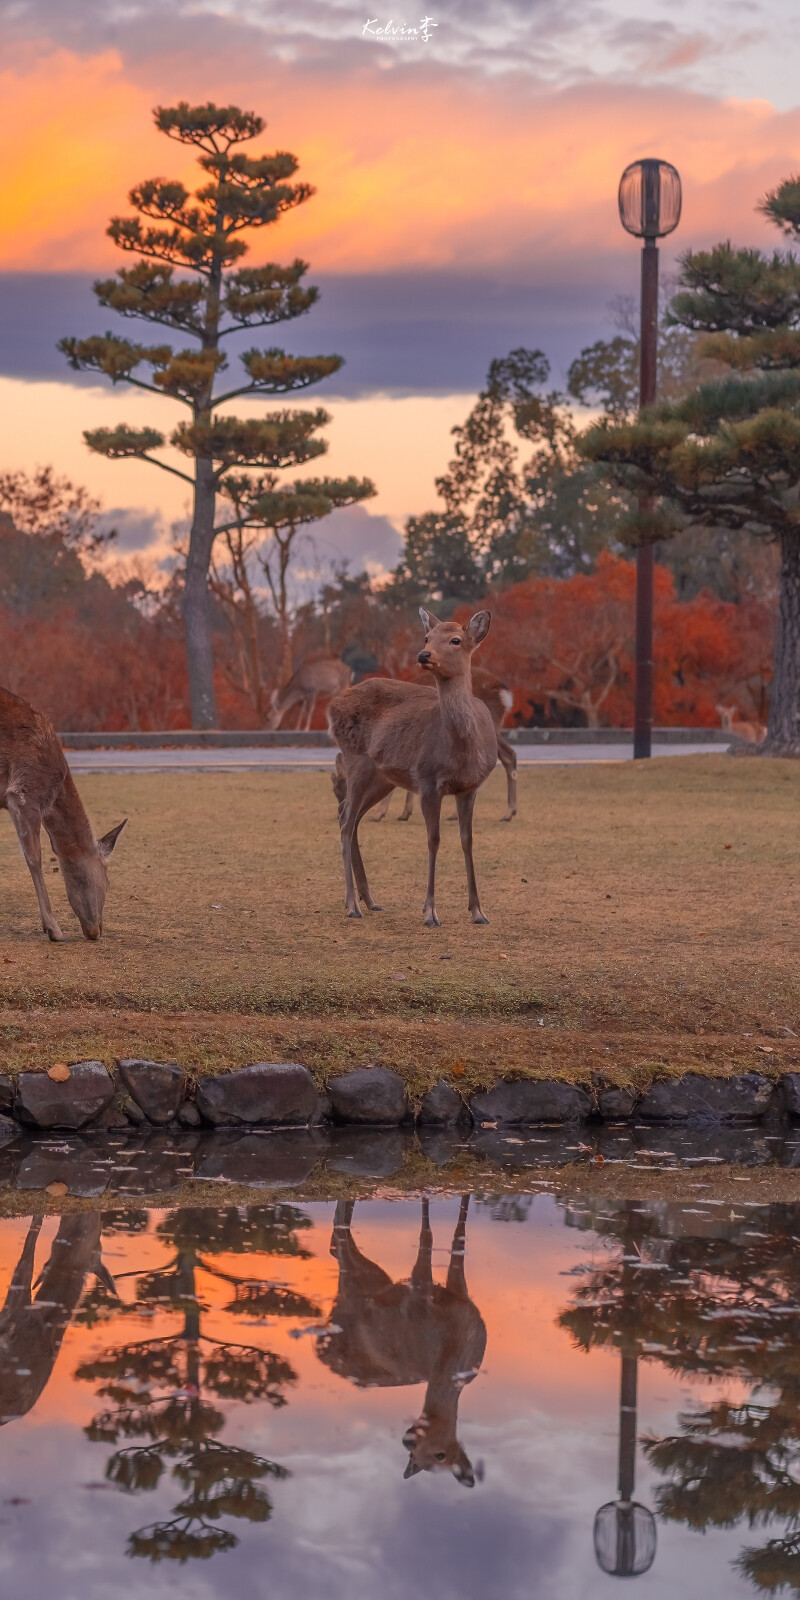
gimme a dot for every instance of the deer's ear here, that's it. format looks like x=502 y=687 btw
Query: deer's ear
x=108 y=841
x=478 y=627
x=428 y=619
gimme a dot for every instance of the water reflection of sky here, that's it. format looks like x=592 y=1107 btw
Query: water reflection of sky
x=538 y=1423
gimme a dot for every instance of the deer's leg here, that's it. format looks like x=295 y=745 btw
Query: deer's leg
x=465 y=805
x=20 y=1288
x=456 y=1276
x=508 y=756
x=431 y=807
x=342 y=1221
x=364 y=788
x=422 y=1270
x=380 y=811
x=408 y=806
x=312 y=706
x=339 y=780
x=28 y=822
x=358 y=864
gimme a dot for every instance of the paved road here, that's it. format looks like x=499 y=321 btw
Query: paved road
x=288 y=759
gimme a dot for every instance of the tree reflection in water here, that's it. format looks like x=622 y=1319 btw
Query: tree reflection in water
x=713 y=1299
x=159 y=1388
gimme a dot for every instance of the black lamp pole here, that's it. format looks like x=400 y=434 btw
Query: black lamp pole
x=648 y=377
x=624 y=1530
x=649 y=206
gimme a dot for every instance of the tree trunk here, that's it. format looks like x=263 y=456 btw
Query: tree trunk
x=285 y=670
x=199 y=656
x=784 y=713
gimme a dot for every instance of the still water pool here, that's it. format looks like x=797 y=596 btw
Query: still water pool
x=383 y=1399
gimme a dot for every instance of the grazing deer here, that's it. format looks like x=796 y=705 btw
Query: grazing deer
x=394 y=734
x=387 y=1334
x=752 y=732
x=325 y=677
x=37 y=789
x=498 y=697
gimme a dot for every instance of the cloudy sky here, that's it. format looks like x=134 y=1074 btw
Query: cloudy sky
x=466 y=196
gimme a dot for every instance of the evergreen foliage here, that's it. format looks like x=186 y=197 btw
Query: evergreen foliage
x=187 y=279
x=727 y=454
x=504 y=517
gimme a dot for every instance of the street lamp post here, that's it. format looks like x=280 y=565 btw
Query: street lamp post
x=625 y=1530
x=649 y=208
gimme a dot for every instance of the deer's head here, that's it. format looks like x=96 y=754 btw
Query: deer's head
x=274 y=714
x=86 y=881
x=448 y=646
x=433 y=1447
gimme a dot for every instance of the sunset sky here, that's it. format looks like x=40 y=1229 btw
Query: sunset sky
x=466 y=197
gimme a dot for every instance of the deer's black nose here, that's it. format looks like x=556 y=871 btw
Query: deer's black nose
x=423 y=656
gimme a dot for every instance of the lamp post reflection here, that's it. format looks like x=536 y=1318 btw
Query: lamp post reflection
x=624 y=1530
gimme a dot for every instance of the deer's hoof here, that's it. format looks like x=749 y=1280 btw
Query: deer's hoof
x=55 y=935
x=355 y=913
x=374 y=907
x=432 y=921
x=478 y=916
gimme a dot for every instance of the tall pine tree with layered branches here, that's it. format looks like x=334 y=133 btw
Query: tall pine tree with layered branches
x=727 y=454
x=187 y=278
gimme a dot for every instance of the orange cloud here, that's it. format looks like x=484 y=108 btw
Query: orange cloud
x=413 y=168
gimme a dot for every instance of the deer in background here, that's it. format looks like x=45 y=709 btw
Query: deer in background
x=752 y=732
x=325 y=677
x=390 y=1334
x=37 y=790
x=498 y=697
x=393 y=734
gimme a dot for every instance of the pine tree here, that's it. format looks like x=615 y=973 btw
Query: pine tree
x=161 y=1391
x=266 y=521
x=727 y=455
x=187 y=279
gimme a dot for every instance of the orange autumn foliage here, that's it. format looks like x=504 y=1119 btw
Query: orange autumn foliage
x=566 y=646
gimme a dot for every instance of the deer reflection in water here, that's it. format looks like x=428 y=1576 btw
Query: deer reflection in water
x=386 y=1334
x=33 y=1324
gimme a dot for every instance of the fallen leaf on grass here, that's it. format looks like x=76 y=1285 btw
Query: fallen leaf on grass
x=459 y=1069
x=59 y=1073
x=58 y=1189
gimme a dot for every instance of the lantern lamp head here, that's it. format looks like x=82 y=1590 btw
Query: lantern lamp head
x=650 y=199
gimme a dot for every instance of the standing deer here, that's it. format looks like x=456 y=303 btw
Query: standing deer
x=37 y=789
x=325 y=677
x=498 y=697
x=389 y=1334
x=394 y=734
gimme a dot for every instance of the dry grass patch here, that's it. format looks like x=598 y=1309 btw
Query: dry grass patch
x=644 y=915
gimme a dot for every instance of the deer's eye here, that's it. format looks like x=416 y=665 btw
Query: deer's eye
x=455 y=641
